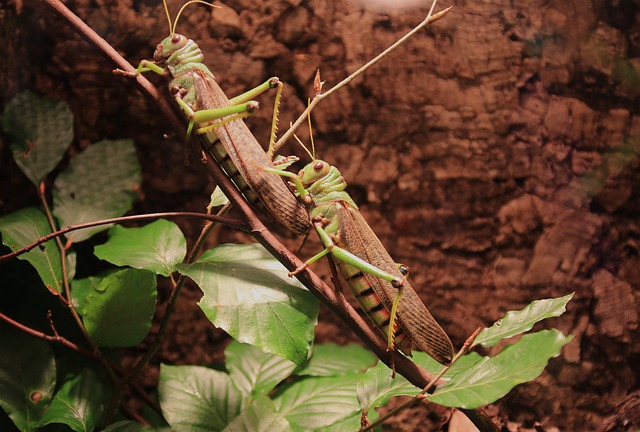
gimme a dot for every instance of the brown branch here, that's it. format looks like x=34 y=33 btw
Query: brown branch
x=109 y=53
x=193 y=215
x=40 y=335
x=56 y=338
x=414 y=373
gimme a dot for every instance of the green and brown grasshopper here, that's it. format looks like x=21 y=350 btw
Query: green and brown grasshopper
x=219 y=120
x=373 y=277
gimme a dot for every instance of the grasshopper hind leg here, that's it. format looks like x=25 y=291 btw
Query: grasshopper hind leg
x=392 y=319
x=271 y=83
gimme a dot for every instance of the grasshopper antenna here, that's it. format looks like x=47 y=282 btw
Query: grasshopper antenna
x=311 y=153
x=304 y=147
x=317 y=89
x=313 y=145
x=190 y=2
x=166 y=11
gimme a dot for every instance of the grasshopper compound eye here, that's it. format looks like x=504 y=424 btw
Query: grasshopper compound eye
x=178 y=41
x=318 y=166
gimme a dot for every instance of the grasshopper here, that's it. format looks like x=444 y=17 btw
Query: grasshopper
x=219 y=120
x=373 y=277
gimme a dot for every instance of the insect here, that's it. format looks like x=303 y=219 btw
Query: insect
x=376 y=281
x=219 y=120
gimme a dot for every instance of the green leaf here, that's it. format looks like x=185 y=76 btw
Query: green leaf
x=40 y=130
x=81 y=288
x=218 y=198
x=126 y=426
x=118 y=311
x=432 y=366
x=493 y=377
x=77 y=404
x=333 y=360
x=352 y=423
x=314 y=403
x=27 y=377
x=349 y=424
x=158 y=247
x=197 y=399
x=99 y=183
x=260 y=416
x=22 y=228
x=377 y=387
x=254 y=372
x=427 y=362
x=248 y=294
x=516 y=322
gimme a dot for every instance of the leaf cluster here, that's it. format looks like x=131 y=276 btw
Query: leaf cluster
x=272 y=378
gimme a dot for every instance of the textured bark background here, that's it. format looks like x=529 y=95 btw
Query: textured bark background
x=495 y=153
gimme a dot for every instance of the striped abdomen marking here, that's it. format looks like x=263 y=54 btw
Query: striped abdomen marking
x=219 y=154
x=371 y=304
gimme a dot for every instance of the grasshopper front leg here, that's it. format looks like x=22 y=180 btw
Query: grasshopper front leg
x=144 y=66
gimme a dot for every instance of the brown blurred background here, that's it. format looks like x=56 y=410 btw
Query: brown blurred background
x=495 y=153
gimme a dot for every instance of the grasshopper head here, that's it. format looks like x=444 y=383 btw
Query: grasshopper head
x=322 y=182
x=313 y=172
x=168 y=46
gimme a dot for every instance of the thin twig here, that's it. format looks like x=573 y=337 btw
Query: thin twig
x=40 y=335
x=133 y=415
x=320 y=96
x=192 y=215
x=56 y=338
x=63 y=268
x=465 y=348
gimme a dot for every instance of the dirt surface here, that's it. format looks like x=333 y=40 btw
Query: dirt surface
x=495 y=153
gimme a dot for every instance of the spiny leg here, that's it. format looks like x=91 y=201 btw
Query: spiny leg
x=242 y=106
x=392 y=319
x=311 y=260
x=271 y=83
x=144 y=66
x=404 y=269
